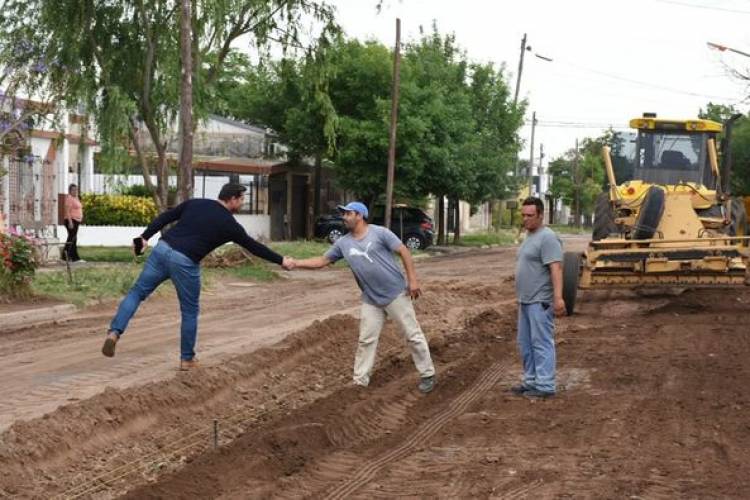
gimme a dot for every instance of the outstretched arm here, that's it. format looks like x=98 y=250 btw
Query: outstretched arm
x=313 y=263
x=259 y=249
x=411 y=274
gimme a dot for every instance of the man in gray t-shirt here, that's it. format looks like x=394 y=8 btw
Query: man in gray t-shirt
x=539 y=293
x=369 y=249
x=371 y=260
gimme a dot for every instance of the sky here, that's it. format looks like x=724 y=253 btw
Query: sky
x=611 y=60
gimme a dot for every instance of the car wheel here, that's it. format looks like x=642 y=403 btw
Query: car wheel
x=414 y=242
x=334 y=234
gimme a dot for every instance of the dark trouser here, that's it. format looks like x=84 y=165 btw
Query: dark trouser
x=70 y=252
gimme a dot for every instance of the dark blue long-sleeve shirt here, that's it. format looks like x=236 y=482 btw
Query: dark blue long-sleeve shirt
x=202 y=226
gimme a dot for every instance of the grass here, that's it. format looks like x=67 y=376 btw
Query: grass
x=89 y=285
x=565 y=229
x=297 y=249
x=107 y=254
x=502 y=237
x=301 y=249
x=92 y=284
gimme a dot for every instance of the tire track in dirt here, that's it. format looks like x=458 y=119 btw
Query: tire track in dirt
x=183 y=408
x=367 y=471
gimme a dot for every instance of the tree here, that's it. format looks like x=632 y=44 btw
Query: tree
x=497 y=123
x=21 y=78
x=185 y=187
x=123 y=59
x=740 y=145
x=578 y=176
x=457 y=132
x=436 y=106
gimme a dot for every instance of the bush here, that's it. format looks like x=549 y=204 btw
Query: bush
x=19 y=261
x=117 y=210
x=142 y=191
x=138 y=190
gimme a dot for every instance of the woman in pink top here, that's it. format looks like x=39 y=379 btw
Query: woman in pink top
x=72 y=217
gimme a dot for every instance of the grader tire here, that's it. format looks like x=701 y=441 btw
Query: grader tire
x=738 y=223
x=571 y=268
x=604 y=218
x=650 y=214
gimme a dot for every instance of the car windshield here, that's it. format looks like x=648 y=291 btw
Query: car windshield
x=670 y=157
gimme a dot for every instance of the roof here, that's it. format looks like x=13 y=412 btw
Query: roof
x=235 y=123
x=239 y=165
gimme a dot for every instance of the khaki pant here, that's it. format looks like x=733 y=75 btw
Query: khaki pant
x=371 y=323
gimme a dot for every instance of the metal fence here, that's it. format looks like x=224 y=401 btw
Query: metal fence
x=32 y=197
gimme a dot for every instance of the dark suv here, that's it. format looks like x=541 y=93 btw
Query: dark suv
x=412 y=225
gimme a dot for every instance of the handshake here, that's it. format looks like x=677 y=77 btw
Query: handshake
x=289 y=263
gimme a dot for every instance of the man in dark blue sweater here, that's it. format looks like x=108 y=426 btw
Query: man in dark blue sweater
x=202 y=225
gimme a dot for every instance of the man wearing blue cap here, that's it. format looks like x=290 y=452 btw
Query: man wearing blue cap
x=369 y=249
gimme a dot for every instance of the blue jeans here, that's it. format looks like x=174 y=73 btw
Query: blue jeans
x=166 y=263
x=536 y=343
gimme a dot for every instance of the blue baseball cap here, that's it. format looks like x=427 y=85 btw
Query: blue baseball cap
x=355 y=206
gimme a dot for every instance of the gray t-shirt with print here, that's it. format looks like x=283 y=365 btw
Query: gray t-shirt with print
x=537 y=252
x=372 y=262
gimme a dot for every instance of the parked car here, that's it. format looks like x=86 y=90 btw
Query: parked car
x=411 y=224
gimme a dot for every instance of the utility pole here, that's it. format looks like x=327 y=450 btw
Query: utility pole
x=394 y=123
x=518 y=87
x=576 y=183
x=531 y=155
x=520 y=69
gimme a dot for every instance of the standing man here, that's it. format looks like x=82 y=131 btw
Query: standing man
x=368 y=249
x=202 y=225
x=539 y=293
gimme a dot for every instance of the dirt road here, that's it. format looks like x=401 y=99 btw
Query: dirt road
x=653 y=401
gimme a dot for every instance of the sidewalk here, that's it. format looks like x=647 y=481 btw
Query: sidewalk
x=34 y=315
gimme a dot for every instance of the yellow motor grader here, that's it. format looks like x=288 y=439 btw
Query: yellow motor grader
x=672 y=223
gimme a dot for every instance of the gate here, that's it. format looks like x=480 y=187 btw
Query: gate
x=31 y=194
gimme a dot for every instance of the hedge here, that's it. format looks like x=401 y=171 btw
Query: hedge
x=117 y=210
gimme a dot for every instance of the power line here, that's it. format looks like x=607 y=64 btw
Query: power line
x=560 y=124
x=647 y=84
x=706 y=7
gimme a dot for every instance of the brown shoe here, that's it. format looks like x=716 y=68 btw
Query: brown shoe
x=108 y=349
x=187 y=365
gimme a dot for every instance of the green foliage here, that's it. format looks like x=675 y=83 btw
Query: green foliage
x=717 y=112
x=578 y=176
x=109 y=254
x=121 y=59
x=504 y=237
x=117 y=210
x=138 y=190
x=89 y=285
x=19 y=261
x=457 y=129
x=740 y=182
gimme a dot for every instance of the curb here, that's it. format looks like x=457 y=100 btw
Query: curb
x=31 y=317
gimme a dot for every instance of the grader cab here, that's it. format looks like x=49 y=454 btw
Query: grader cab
x=672 y=223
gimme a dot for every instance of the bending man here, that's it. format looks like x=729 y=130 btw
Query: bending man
x=368 y=249
x=202 y=225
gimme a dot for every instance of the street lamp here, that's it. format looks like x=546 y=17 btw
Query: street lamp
x=724 y=48
x=526 y=48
